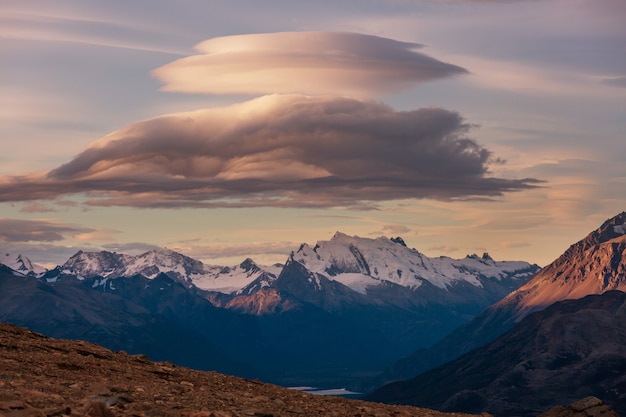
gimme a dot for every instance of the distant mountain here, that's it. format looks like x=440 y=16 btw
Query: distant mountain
x=334 y=312
x=572 y=349
x=593 y=265
x=360 y=263
x=186 y=270
x=21 y=264
x=387 y=271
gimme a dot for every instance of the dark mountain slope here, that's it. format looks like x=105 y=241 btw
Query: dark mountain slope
x=72 y=309
x=572 y=349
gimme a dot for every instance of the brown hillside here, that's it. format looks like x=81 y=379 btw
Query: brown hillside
x=45 y=377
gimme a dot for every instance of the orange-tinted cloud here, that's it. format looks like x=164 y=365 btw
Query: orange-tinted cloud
x=281 y=151
x=322 y=63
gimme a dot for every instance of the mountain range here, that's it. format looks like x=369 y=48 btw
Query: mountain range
x=332 y=313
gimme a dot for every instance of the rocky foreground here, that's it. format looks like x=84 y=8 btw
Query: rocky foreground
x=43 y=377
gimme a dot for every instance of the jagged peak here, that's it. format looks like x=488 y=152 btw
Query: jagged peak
x=340 y=235
x=249 y=265
x=609 y=230
x=162 y=252
x=82 y=253
x=398 y=240
x=613 y=227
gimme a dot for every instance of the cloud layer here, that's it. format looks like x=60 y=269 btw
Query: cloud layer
x=281 y=151
x=303 y=62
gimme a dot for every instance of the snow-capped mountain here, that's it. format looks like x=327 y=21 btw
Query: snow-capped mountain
x=21 y=265
x=359 y=263
x=355 y=262
x=177 y=266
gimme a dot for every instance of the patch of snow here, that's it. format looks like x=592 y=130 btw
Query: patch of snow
x=620 y=228
x=331 y=391
x=357 y=282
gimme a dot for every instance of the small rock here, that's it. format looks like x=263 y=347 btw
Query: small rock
x=587 y=407
x=12 y=405
x=586 y=403
x=220 y=414
x=98 y=409
x=202 y=414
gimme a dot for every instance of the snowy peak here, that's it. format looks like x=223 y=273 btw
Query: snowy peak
x=21 y=264
x=362 y=262
x=175 y=265
x=398 y=240
x=90 y=264
x=249 y=266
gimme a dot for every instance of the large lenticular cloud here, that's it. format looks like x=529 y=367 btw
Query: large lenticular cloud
x=303 y=62
x=280 y=151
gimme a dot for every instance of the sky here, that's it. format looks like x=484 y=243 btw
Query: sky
x=227 y=130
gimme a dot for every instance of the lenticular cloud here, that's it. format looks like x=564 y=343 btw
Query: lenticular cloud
x=279 y=151
x=311 y=63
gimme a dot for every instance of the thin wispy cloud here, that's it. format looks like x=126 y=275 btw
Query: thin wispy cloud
x=615 y=81
x=20 y=230
x=131 y=248
x=278 y=151
x=67 y=27
x=303 y=62
x=242 y=250
x=36 y=207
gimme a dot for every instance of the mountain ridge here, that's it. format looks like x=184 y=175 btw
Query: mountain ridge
x=357 y=263
x=593 y=265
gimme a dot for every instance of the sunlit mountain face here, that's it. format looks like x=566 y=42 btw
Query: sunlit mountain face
x=592 y=266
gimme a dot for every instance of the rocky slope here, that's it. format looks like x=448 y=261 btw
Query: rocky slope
x=572 y=349
x=593 y=265
x=45 y=377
